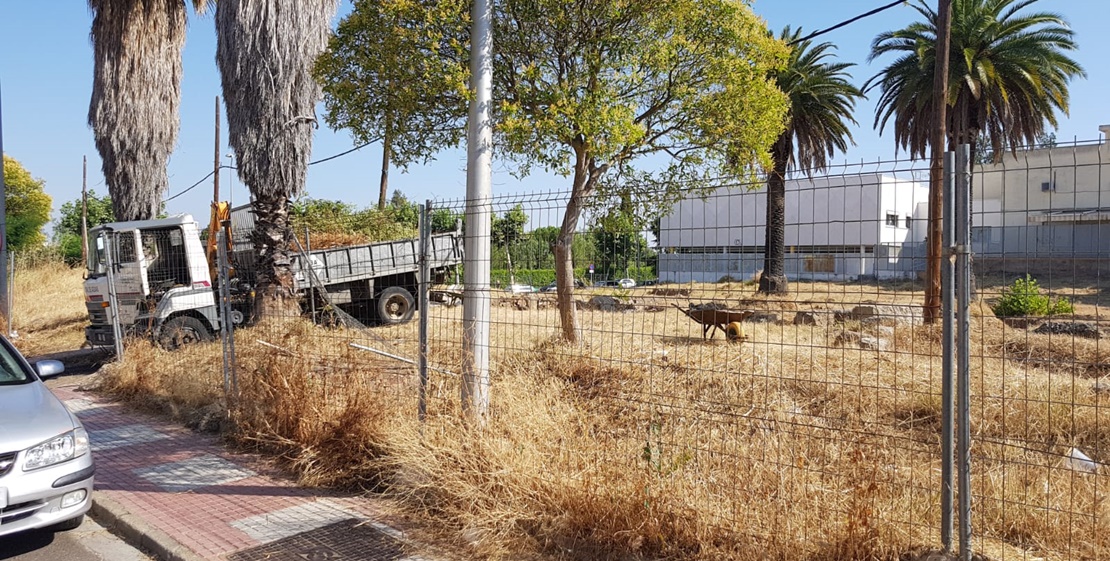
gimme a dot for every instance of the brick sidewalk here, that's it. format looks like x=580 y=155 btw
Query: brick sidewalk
x=186 y=497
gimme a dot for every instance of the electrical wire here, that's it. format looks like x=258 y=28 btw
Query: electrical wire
x=320 y=161
x=847 y=22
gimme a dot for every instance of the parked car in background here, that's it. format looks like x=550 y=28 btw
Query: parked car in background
x=626 y=283
x=521 y=288
x=46 y=468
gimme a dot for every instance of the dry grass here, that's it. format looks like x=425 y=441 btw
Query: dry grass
x=48 y=308
x=648 y=442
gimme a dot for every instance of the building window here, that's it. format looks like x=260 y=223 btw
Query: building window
x=891 y=219
x=909 y=220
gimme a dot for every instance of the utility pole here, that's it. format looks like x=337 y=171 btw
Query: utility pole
x=84 y=210
x=476 y=244
x=5 y=305
x=936 y=167
x=936 y=231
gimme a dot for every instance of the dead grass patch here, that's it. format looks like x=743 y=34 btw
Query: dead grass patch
x=647 y=442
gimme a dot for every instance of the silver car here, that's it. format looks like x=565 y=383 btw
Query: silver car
x=46 y=469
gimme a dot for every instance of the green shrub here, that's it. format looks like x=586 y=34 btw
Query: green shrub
x=1024 y=298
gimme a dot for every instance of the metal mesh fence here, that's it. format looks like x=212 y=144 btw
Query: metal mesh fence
x=697 y=416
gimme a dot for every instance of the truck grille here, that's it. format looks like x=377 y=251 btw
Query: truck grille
x=7 y=460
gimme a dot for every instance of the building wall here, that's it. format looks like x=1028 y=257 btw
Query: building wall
x=845 y=210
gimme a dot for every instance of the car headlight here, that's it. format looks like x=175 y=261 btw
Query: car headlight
x=72 y=444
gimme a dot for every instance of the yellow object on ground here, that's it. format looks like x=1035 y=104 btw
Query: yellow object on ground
x=735 y=332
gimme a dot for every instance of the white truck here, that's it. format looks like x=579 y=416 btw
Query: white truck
x=164 y=287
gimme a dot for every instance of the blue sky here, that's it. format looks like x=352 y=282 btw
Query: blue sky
x=46 y=77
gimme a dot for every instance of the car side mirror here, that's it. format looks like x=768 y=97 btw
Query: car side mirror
x=49 y=368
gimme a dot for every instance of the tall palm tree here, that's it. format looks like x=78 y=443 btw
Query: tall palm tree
x=265 y=51
x=1008 y=75
x=136 y=91
x=821 y=104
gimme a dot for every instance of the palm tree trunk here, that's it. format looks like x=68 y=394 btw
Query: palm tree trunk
x=265 y=51
x=136 y=92
x=275 y=296
x=387 y=149
x=773 y=279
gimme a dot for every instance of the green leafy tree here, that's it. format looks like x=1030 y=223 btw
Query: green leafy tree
x=28 y=207
x=396 y=71
x=1008 y=75
x=67 y=231
x=590 y=87
x=821 y=105
x=507 y=231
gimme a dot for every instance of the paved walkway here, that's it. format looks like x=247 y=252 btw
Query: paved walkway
x=182 y=496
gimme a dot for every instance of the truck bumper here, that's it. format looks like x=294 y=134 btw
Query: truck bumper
x=100 y=335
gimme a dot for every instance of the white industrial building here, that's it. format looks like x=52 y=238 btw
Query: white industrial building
x=837 y=227
x=1045 y=202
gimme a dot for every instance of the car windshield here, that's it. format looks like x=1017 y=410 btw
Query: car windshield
x=11 y=372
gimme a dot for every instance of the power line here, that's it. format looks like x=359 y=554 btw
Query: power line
x=320 y=161
x=847 y=22
x=191 y=187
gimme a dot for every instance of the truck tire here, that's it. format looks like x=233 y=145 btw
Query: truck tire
x=180 y=331
x=395 y=305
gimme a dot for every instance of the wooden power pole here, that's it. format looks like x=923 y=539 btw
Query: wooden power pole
x=938 y=142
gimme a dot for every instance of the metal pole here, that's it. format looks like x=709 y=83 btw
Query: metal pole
x=963 y=345
x=947 y=434
x=113 y=302
x=476 y=258
x=84 y=211
x=425 y=278
x=308 y=249
x=227 y=324
x=11 y=293
x=4 y=309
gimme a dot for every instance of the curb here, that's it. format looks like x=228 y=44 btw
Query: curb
x=137 y=531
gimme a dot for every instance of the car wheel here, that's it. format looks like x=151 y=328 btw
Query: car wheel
x=67 y=525
x=181 y=331
x=395 y=305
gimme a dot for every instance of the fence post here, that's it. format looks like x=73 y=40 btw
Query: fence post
x=947 y=299
x=963 y=344
x=422 y=303
x=113 y=302
x=227 y=322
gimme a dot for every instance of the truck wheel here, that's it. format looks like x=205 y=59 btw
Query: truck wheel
x=395 y=305
x=181 y=331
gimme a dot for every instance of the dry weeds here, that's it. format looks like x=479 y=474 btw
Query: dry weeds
x=650 y=442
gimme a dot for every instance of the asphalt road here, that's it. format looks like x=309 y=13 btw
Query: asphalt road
x=90 y=542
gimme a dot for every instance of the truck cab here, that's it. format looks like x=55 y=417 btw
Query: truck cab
x=161 y=279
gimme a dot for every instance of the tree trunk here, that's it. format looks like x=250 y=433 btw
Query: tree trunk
x=564 y=261
x=773 y=279
x=931 y=310
x=273 y=268
x=387 y=149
